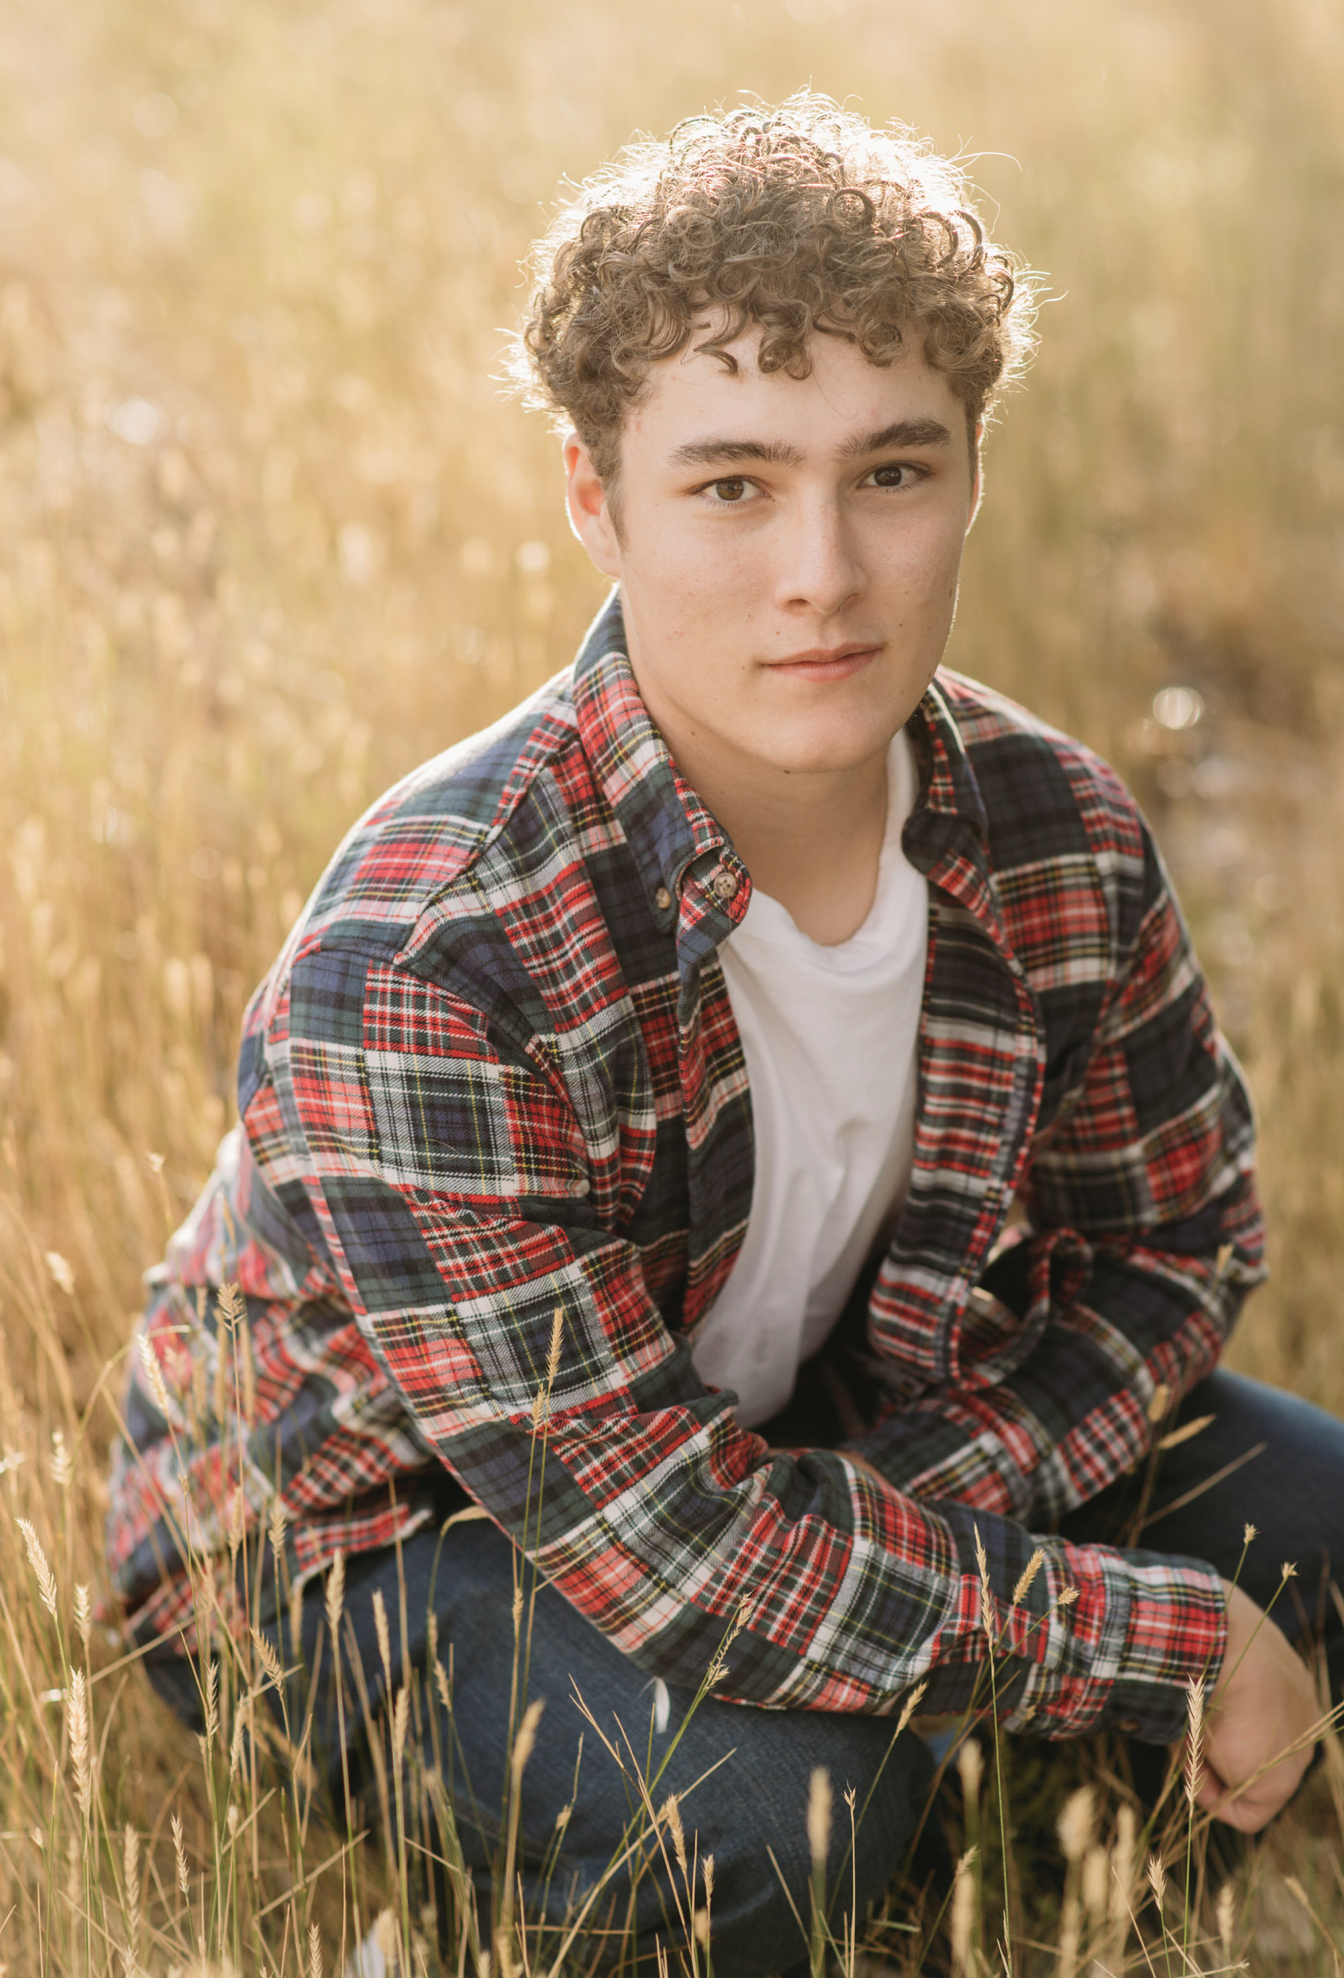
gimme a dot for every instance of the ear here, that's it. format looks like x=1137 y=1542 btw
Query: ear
x=589 y=513
x=977 y=476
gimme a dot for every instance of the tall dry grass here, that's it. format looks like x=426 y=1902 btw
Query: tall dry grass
x=269 y=535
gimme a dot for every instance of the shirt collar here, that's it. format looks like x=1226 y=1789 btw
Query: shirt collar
x=683 y=854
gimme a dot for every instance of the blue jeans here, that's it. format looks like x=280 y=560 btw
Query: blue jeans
x=1267 y=1458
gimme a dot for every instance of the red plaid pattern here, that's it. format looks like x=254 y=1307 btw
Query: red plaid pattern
x=495 y=1076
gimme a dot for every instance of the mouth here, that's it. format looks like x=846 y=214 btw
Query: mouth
x=826 y=662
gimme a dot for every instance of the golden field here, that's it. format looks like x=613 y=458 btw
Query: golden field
x=270 y=533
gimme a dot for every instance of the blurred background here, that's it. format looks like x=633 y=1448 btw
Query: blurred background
x=270 y=533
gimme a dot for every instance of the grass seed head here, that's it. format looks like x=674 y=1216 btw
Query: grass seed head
x=527 y=1736
x=1224 y=1916
x=819 y=1802
x=268 y=1659
x=670 y=1817
x=910 y=1706
x=962 y=1925
x=1076 y=1823
x=77 y=1721
x=37 y=1559
x=1194 y=1739
x=180 y=1856
x=62 y=1275
x=971 y=1771
x=1028 y=1574
x=335 y=1593
x=384 y=1635
x=83 y=1615
x=401 y=1717
x=130 y=1888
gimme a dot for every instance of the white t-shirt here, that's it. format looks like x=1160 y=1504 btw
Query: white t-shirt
x=830 y=1037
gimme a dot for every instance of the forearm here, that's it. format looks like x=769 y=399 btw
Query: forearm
x=1071 y=1370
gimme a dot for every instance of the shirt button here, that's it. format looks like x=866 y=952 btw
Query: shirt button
x=662 y=899
x=724 y=885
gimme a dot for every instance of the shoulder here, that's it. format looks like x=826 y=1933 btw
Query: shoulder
x=415 y=859
x=1046 y=795
x=428 y=833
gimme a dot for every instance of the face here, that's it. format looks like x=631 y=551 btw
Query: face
x=788 y=553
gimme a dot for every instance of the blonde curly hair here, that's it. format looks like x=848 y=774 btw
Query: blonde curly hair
x=802 y=219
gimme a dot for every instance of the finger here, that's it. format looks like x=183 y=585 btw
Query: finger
x=1242 y=1811
x=1212 y=1789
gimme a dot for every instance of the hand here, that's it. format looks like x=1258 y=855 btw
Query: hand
x=1264 y=1707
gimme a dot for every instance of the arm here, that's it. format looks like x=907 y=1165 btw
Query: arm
x=1144 y=1236
x=447 y=1174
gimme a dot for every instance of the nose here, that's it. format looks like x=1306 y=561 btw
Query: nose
x=820 y=570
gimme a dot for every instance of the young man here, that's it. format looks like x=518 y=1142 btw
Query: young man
x=755 y=998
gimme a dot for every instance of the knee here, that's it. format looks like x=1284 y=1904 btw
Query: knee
x=763 y=1838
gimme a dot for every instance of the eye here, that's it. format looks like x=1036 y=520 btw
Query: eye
x=896 y=474
x=734 y=489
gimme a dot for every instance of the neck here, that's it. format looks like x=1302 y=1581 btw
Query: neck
x=811 y=839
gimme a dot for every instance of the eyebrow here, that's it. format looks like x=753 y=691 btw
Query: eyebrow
x=777 y=453
x=781 y=453
x=901 y=432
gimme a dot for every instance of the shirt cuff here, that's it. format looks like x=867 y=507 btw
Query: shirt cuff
x=1121 y=1657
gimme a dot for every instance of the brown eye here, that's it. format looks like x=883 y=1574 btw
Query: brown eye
x=891 y=476
x=731 y=490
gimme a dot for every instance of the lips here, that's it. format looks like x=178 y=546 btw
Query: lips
x=826 y=663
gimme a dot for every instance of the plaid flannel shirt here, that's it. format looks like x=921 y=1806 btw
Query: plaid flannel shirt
x=494 y=1076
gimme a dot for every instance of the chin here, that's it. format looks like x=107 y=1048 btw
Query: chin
x=822 y=749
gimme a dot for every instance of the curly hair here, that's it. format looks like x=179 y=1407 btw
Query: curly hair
x=801 y=219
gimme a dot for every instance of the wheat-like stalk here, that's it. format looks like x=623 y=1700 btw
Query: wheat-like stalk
x=1224 y=1915
x=211 y=1701
x=268 y=1658
x=962 y=1926
x=37 y=1559
x=335 y=1599
x=77 y=1721
x=180 y=1855
x=158 y=1386
x=669 y=1816
x=130 y=1893
x=61 y=1271
x=910 y=1706
x=819 y=1806
x=1194 y=1740
x=1075 y=1823
x=83 y=1615
x=384 y=1635
x=971 y=1771
x=1027 y=1575
x=1122 y=1866
x=401 y=1717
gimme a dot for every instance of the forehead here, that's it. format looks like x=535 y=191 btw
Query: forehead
x=694 y=396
